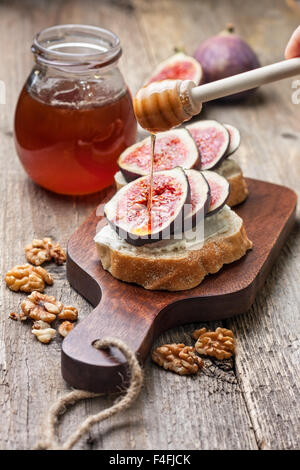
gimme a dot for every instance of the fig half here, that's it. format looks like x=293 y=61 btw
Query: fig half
x=235 y=139
x=178 y=67
x=128 y=214
x=212 y=140
x=219 y=191
x=172 y=148
x=200 y=196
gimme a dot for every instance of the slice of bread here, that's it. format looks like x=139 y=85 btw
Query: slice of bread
x=229 y=169
x=175 y=265
x=238 y=186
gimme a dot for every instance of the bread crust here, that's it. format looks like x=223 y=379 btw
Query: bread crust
x=175 y=273
x=238 y=190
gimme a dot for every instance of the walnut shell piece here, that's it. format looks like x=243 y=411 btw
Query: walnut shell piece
x=43 y=307
x=177 y=358
x=44 y=335
x=17 y=316
x=41 y=250
x=14 y=316
x=69 y=313
x=219 y=343
x=65 y=327
x=28 y=278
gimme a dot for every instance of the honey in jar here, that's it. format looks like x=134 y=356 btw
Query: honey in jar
x=74 y=115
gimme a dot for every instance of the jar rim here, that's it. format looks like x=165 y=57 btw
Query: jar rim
x=76 y=45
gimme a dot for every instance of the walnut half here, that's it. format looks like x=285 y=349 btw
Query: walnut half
x=28 y=278
x=65 y=327
x=44 y=335
x=219 y=343
x=69 y=313
x=177 y=358
x=39 y=251
x=43 y=307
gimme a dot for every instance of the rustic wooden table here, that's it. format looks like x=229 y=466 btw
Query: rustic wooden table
x=252 y=403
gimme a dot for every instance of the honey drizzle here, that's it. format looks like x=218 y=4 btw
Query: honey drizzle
x=150 y=191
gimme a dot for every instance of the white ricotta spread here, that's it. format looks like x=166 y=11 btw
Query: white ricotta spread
x=213 y=225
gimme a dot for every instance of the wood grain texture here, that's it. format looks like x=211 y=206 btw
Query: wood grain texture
x=250 y=403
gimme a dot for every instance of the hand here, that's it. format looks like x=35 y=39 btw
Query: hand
x=293 y=46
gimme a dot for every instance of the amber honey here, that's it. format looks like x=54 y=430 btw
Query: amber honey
x=73 y=150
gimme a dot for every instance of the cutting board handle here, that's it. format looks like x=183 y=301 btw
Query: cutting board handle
x=84 y=366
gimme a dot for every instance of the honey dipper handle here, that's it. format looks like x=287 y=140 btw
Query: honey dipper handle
x=246 y=81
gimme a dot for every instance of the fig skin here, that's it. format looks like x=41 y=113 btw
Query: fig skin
x=235 y=139
x=129 y=175
x=225 y=55
x=212 y=177
x=192 y=219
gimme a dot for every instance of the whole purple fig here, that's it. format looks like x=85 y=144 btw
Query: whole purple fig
x=225 y=55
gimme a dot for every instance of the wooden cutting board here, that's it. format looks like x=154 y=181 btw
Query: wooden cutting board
x=138 y=316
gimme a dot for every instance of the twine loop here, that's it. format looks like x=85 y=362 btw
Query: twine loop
x=49 y=439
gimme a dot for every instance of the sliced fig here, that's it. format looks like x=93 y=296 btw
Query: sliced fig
x=200 y=196
x=235 y=139
x=219 y=191
x=128 y=214
x=212 y=140
x=179 y=66
x=172 y=148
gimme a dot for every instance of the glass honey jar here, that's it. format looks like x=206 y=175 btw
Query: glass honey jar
x=74 y=115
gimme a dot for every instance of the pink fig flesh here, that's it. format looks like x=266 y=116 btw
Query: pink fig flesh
x=178 y=67
x=212 y=140
x=172 y=148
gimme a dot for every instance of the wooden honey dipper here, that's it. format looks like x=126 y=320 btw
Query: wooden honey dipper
x=162 y=105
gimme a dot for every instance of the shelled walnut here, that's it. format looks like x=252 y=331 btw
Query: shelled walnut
x=43 y=307
x=69 y=313
x=177 y=358
x=44 y=335
x=28 y=278
x=40 y=325
x=38 y=251
x=65 y=327
x=219 y=343
x=58 y=254
x=43 y=250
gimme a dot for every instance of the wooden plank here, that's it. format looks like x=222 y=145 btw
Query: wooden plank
x=253 y=402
